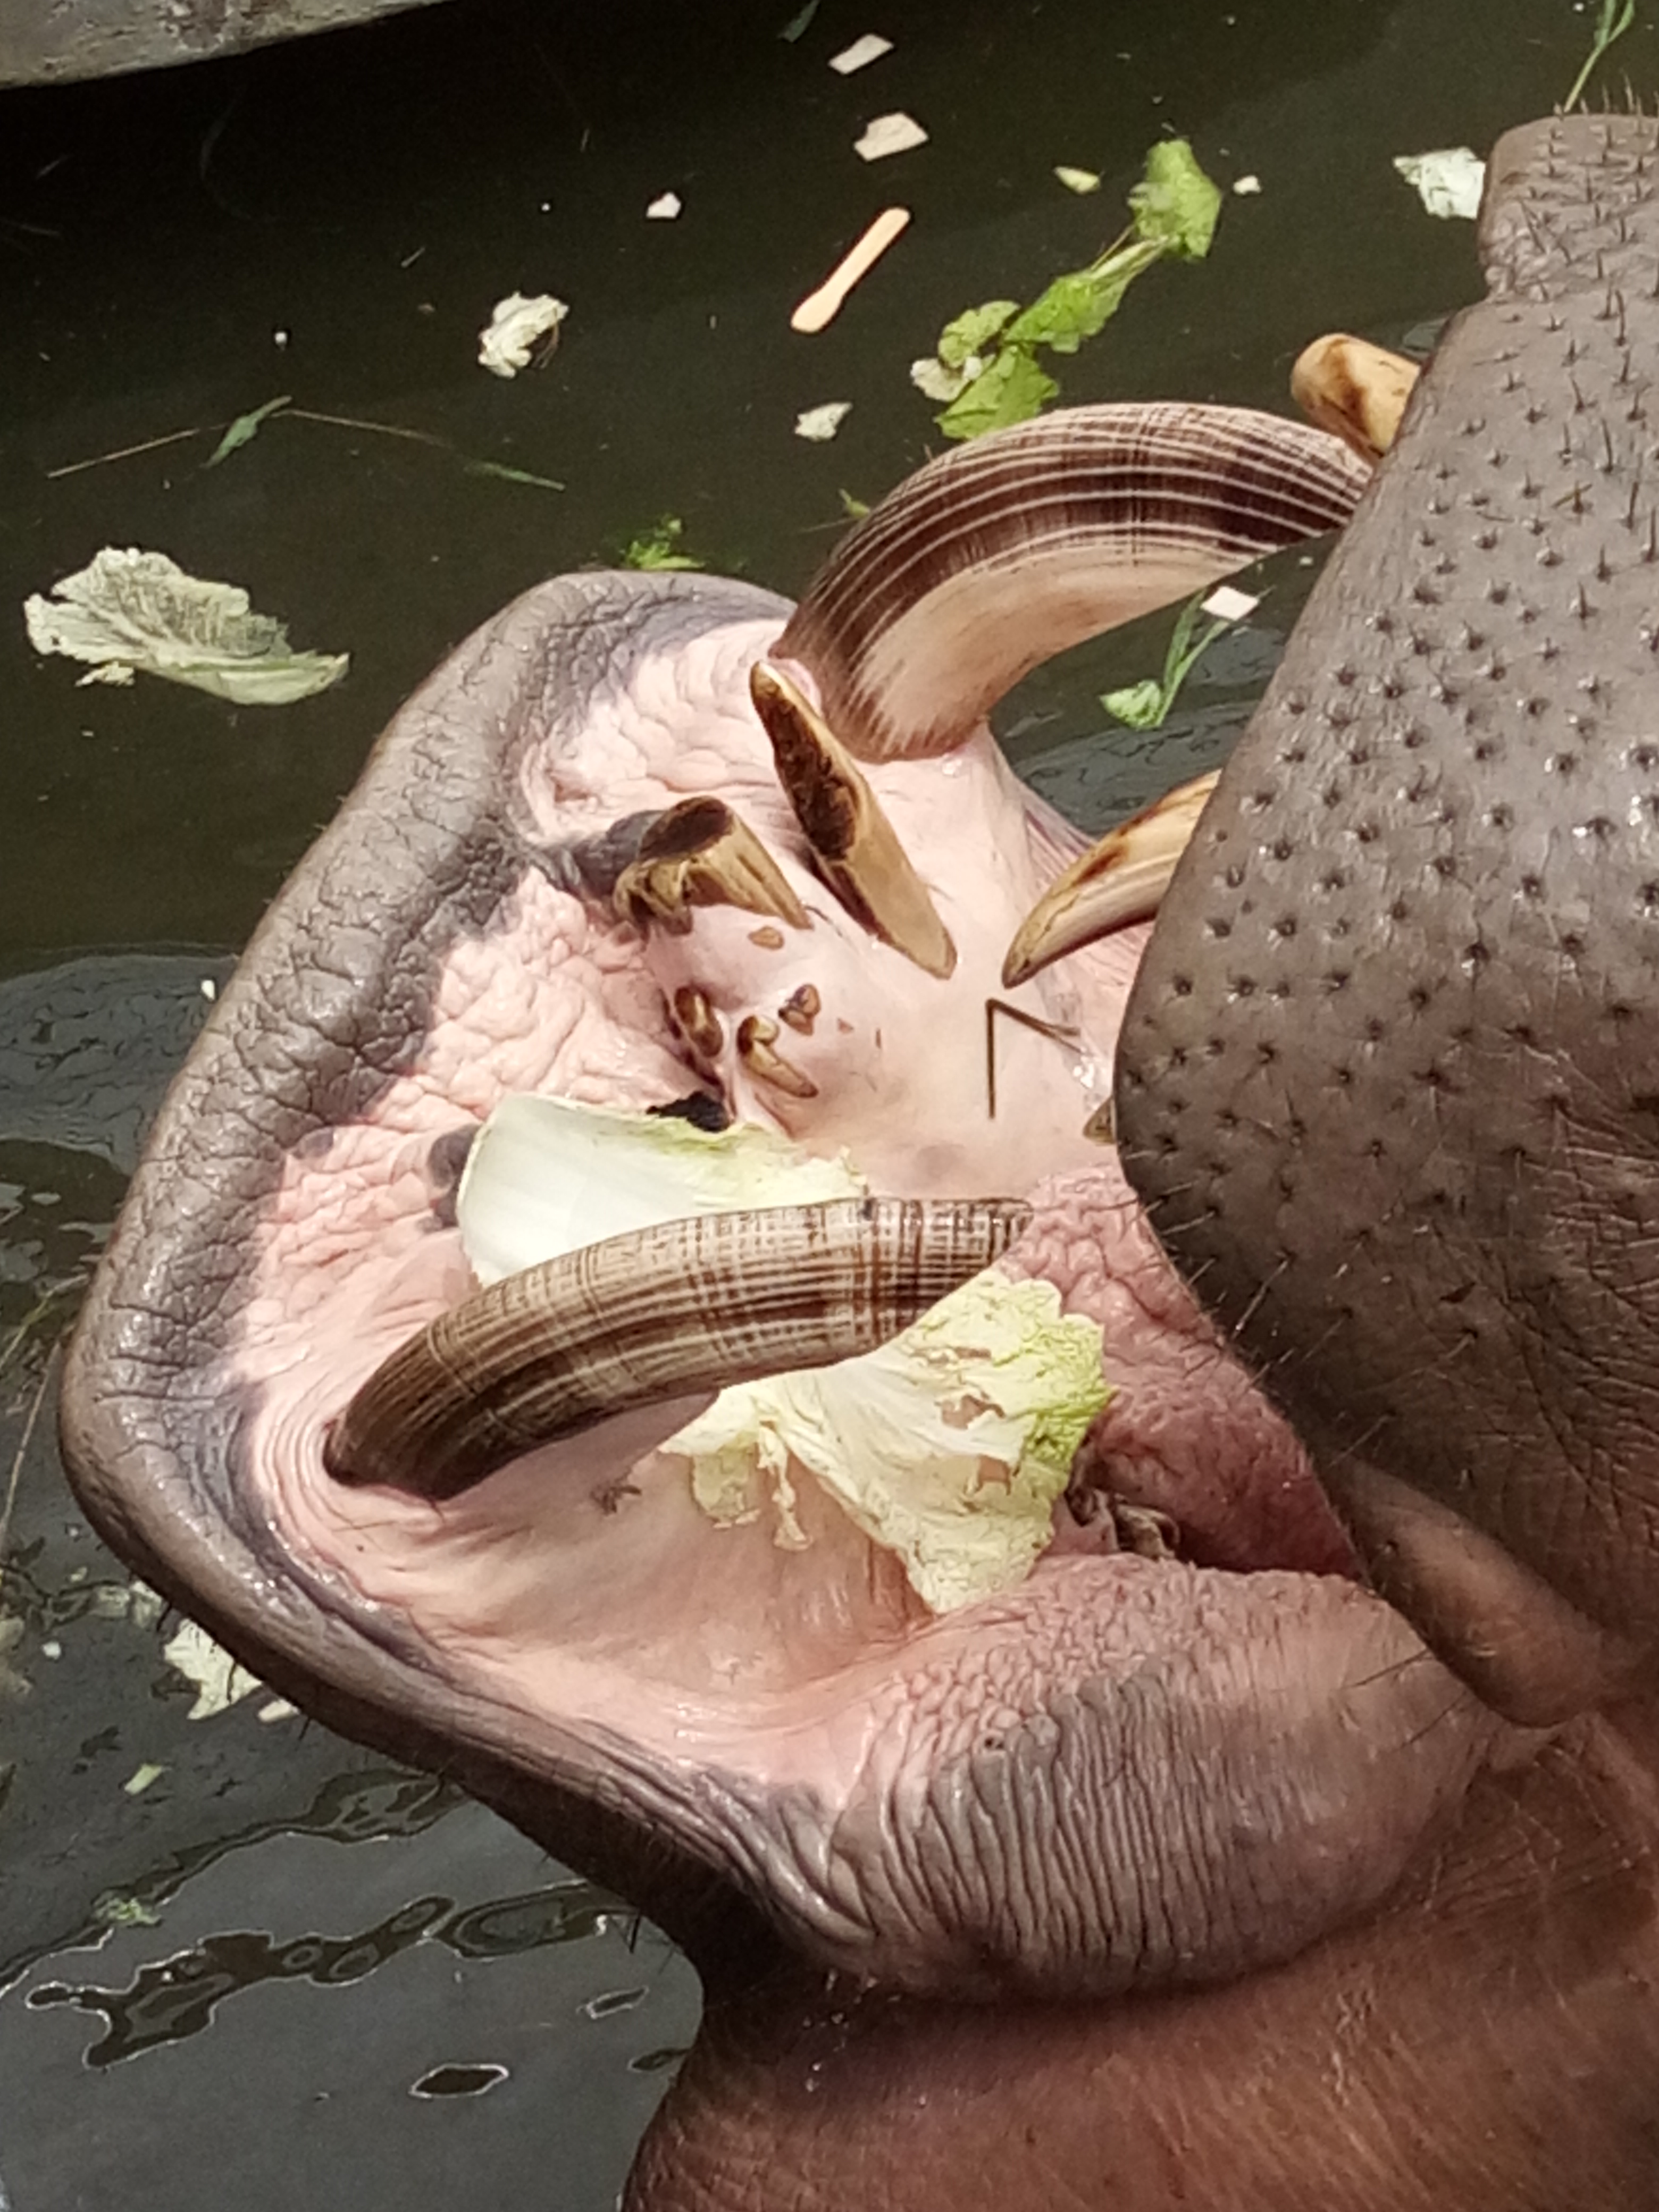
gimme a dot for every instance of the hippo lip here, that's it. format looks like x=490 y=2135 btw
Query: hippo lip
x=1121 y=1775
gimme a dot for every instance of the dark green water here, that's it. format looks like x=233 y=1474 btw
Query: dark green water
x=308 y=1940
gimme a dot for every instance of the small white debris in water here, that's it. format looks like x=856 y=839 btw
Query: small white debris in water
x=820 y=423
x=664 y=208
x=218 y=1681
x=889 y=134
x=141 y=1777
x=860 y=55
x=279 y=339
x=1448 y=181
x=1228 y=604
x=1247 y=187
x=516 y=328
x=278 y=1709
x=51 y=1648
x=107 y=671
x=210 y=989
x=1078 y=180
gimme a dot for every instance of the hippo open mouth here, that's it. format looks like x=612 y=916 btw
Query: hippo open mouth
x=643 y=838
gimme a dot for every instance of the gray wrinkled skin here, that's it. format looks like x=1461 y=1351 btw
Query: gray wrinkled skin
x=1391 y=1072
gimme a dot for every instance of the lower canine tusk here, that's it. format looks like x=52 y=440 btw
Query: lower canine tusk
x=1120 y=880
x=1357 y=390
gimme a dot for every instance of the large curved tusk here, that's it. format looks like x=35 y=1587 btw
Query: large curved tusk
x=1120 y=880
x=699 y=853
x=685 y=1307
x=998 y=556
x=854 y=846
x=1354 y=389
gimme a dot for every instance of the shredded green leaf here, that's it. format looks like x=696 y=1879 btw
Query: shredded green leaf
x=245 y=429
x=510 y=476
x=1145 y=705
x=659 y=548
x=1174 y=204
x=1012 y=390
x=985 y=371
x=1615 y=19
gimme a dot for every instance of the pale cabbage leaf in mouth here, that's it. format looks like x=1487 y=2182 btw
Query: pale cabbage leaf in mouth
x=947 y=1446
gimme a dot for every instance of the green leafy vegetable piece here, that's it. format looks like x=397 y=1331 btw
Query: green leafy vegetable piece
x=1174 y=204
x=1137 y=706
x=659 y=548
x=854 y=509
x=1012 y=389
x=244 y=429
x=1145 y=705
x=799 y=24
x=1615 y=19
x=971 y=332
x=1078 y=305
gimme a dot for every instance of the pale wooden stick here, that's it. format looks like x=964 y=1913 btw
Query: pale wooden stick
x=821 y=307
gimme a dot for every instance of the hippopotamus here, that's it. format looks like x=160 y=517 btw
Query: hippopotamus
x=1286 y=1836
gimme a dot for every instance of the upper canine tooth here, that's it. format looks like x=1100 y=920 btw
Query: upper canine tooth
x=700 y=853
x=1120 y=880
x=1357 y=390
x=853 y=843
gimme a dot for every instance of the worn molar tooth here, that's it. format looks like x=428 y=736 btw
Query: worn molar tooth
x=700 y=853
x=1120 y=880
x=699 y=1024
x=801 y=1009
x=757 y=1039
x=853 y=843
x=1355 y=389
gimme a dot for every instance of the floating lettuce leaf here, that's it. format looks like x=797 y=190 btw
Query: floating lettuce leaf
x=1449 y=181
x=1174 y=204
x=972 y=331
x=1145 y=705
x=244 y=429
x=1079 y=305
x=141 y=611
x=546 y=1175
x=659 y=548
x=985 y=371
x=1012 y=390
x=947 y=1446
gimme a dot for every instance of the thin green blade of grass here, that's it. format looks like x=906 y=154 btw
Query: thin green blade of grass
x=1615 y=19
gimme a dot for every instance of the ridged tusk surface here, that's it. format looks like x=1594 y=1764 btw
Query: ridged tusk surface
x=687 y=1306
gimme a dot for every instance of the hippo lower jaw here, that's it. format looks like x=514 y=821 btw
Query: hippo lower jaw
x=1123 y=1774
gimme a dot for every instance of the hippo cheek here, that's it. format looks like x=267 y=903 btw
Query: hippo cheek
x=453 y=1520
x=1388 y=1079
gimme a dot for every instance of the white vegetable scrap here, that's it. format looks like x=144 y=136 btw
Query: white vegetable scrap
x=819 y=423
x=860 y=55
x=1449 y=181
x=889 y=134
x=664 y=207
x=1078 y=180
x=1246 y=188
x=218 y=1681
x=515 y=329
x=1228 y=604
x=948 y=1445
x=546 y=1176
x=129 y=610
